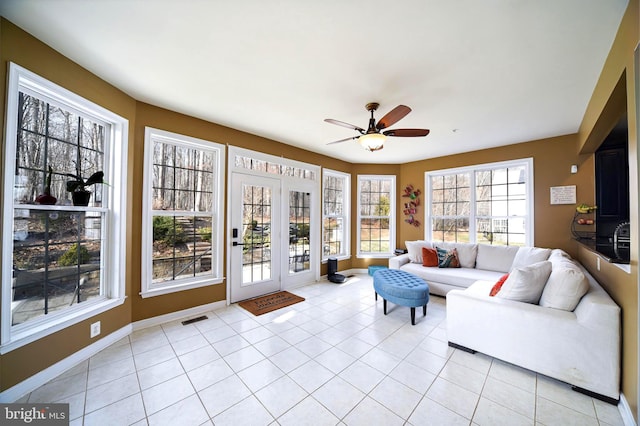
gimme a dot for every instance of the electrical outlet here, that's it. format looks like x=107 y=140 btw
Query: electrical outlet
x=95 y=329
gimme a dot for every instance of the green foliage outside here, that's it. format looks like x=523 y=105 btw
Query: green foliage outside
x=303 y=230
x=70 y=257
x=252 y=238
x=384 y=206
x=205 y=234
x=166 y=231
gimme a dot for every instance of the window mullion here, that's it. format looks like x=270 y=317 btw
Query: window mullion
x=472 y=208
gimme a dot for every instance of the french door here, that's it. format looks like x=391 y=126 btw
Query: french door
x=274 y=224
x=300 y=251
x=255 y=244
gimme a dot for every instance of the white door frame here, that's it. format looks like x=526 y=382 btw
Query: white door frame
x=279 y=168
x=238 y=289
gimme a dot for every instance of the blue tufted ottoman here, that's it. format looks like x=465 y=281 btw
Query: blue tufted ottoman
x=401 y=288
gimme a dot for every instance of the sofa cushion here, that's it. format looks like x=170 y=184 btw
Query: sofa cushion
x=558 y=254
x=467 y=252
x=447 y=258
x=429 y=257
x=530 y=255
x=497 y=286
x=495 y=258
x=525 y=284
x=414 y=249
x=565 y=287
x=457 y=277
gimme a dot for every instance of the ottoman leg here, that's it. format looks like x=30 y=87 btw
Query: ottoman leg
x=424 y=310
x=413 y=316
x=376 y=295
x=384 y=304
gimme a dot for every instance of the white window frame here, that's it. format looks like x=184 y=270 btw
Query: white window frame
x=346 y=214
x=148 y=287
x=392 y=218
x=529 y=188
x=114 y=230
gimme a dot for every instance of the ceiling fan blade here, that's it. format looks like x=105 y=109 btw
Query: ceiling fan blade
x=343 y=124
x=344 y=140
x=393 y=116
x=406 y=133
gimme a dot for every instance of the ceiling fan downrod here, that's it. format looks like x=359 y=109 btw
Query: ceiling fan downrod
x=372 y=106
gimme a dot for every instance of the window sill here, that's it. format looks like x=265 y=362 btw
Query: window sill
x=375 y=255
x=48 y=326
x=168 y=289
x=344 y=257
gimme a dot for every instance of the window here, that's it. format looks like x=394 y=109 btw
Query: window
x=299 y=231
x=182 y=225
x=274 y=167
x=487 y=204
x=336 y=193
x=376 y=216
x=66 y=257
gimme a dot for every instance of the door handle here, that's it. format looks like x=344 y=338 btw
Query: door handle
x=235 y=243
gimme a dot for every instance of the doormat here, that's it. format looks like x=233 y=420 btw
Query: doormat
x=271 y=302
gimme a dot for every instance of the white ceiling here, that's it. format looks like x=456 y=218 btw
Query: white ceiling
x=479 y=74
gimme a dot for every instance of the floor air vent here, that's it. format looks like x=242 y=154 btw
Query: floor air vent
x=192 y=320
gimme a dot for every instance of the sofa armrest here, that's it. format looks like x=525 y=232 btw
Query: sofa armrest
x=397 y=261
x=569 y=346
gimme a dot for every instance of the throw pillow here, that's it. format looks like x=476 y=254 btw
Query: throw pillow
x=429 y=257
x=559 y=254
x=447 y=258
x=467 y=252
x=530 y=255
x=565 y=287
x=495 y=258
x=497 y=286
x=414 y=249
x=526 y=284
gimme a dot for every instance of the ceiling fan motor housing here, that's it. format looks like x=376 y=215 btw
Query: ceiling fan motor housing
x=374 y=135
x=372 y=106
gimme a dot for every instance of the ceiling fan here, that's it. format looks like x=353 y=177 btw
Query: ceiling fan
x=371 y=139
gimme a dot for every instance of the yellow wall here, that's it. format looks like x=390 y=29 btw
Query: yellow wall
x=152 y=116
x=23 y=49
x=552 y=160
x=615 y=93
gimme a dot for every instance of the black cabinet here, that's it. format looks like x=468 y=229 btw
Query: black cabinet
x=612 y=191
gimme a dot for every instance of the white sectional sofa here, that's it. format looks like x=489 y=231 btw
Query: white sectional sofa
x=478 y=262
x=569 y=330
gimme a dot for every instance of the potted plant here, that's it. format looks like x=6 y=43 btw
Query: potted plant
x=46 y=197
x=78 y=187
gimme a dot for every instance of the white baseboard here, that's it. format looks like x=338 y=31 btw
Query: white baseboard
x=346 y=273
x=172 y=316
x=625 y=412
x=32 y=383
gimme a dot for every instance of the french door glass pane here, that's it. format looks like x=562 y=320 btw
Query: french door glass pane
x=299 y=225
x=256 y=233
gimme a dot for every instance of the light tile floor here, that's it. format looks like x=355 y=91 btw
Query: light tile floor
x=333 y=359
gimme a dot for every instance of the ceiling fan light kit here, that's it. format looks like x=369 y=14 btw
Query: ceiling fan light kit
x=371 y=139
